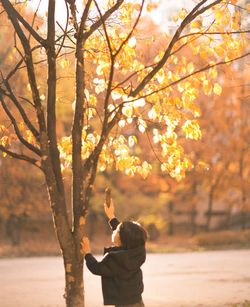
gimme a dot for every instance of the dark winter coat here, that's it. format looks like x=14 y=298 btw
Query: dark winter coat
x=120 y=271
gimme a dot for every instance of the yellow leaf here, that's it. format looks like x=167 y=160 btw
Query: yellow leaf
x=217 y=89
x=132 y=140
x=219 y=50
x=141 y=128
x=21 y=126
x=178 y=102
x=175 y=18
x=132 y=42
x=203 y=165
x=192 y=130
x=92 y=100
x=195 y=24
x=116 y=95
x=2 y=128
x=149 y=7
x=64 y=63
x=152 y=114
x=182 y=13
x=180 y=87
x=139 y=103
x=122 y=123
x=160 y=76
x=190 y=67
x=212 y=73
x=137 y=7
x=127 y=111
x=207 y=87
x=4 y=140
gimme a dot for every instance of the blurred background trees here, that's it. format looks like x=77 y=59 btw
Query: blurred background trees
x=215 y=192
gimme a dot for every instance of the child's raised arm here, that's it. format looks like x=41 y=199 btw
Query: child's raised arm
x=109 y=205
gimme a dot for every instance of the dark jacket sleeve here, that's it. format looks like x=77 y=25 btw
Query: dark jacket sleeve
x=101 y=268
x=113 y=223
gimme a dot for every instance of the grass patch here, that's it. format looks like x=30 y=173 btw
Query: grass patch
x=223 y=239
x=45 y=244
x=244 y=304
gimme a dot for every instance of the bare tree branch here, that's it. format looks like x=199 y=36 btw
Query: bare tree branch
x=17 y=130
x=19 y=156
x=111 y=72
x=64 y=31
x=51 y=99
x=105 y=30
x=29 y=62
x=106 y=15
x=92 y=162
x=78 y=121
x=25 y=118
x=13 y=14
x=72 y=6
x=17 y=66
x=65 y=34
x=152 y=148
x=34 y=17
x=214 y=33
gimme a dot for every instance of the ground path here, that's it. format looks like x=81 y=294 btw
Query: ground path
x=216 y=278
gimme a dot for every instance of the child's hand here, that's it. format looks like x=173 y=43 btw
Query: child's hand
x=85 y=246
x=110 y=211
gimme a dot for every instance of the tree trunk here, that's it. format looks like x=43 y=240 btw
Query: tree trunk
x=210 y=208
x=213 y=188
x=74 y=289
x=171 y=219
x=69 y=241
x=228 y=217
x=193 y=219
x=243 y=220
x=243 y=191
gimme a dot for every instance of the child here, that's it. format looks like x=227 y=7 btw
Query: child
x=122 y=283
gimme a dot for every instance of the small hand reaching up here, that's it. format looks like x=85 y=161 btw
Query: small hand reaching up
x=85 y=246
x=109 y=205
x=110 y=211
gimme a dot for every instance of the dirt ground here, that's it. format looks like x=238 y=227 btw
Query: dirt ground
x=204 y=279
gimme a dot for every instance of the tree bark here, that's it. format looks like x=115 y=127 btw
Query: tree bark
x=74 y=289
